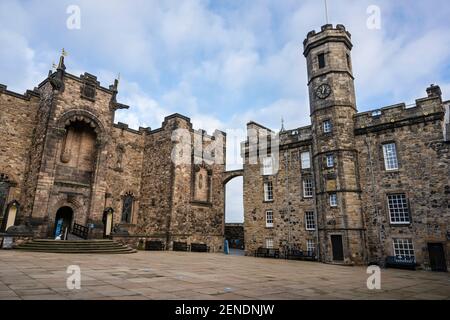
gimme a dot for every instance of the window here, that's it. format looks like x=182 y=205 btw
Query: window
x=268 y=191
x=404 y=249
x=330 y=161
x=306 y=160
x=310 y=220
x=390 y=156
x=308 y=188
x=269 y=219
x=349 y=62
x=310 y=247
x=321 y=58
x=333 y=200
x=327 y=126
x=268 y=166
x=269 y=243
x=398 y=208
x=127 y=208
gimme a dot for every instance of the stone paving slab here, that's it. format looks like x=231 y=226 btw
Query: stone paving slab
x=175 y=276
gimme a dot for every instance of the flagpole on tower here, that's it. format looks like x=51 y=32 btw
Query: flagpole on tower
x=326 y=11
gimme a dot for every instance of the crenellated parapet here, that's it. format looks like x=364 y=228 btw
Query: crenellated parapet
x=28 y=95
x=424 y=110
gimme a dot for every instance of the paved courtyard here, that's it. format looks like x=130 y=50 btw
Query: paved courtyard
x=175 y=275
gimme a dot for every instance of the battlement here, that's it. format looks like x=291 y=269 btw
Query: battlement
x=295 y=135
x=328 y=33
x=26 y=96
x=125 y=127
x=429 y=108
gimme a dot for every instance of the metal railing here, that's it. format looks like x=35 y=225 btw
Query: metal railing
x=80 y=231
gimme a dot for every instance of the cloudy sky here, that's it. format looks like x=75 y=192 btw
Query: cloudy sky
x=225 y=62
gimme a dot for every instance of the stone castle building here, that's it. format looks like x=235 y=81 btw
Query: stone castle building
x=62 y=158
x=352 y=188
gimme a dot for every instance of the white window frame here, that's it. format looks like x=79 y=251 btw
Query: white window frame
x=404 y=248
x=330 y=161
x=398 y=208
x=327 y=126
x=310 y=221
x=269 y=243
x=269 y=218
x=308 y=186
x=268 y=191
x=306 y=160
x=310 y=246
x=267 y=166
x=390 y=156
x=333 y=200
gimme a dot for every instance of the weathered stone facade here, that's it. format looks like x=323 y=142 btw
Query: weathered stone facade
x=352 y=186
x=63 y=158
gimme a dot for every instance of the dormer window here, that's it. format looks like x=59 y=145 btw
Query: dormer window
x=321 y=58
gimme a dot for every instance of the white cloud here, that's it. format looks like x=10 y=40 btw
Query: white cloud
x=19 y=67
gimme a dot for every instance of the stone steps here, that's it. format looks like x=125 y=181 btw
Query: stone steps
x=75 y=246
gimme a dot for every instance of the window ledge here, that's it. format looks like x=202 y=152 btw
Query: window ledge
x=201 y=203
x=402 y=224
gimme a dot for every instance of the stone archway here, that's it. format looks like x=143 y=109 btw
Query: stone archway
x=233 y=232
x=63 y=221
x=84 y=116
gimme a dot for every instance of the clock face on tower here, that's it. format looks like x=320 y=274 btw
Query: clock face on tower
x=323 y=91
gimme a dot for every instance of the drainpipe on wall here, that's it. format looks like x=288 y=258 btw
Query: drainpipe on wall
x=316 y=216
x=288 y=198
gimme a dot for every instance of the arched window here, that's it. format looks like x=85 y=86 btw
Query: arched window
x=127 y=207
x=5 y=184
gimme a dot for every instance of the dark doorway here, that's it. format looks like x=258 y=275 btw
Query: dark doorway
x=63 y=221
x=338 y=250
x=437 y=257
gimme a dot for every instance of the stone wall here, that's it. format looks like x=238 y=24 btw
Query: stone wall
x=170 y=209
x=18 y=119
x=125 y=161
x=423 y=175
x=289 y=203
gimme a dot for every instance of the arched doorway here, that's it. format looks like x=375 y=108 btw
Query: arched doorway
x=63 y=221
x=234 y=211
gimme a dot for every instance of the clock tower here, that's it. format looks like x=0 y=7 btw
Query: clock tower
x=332 y=105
